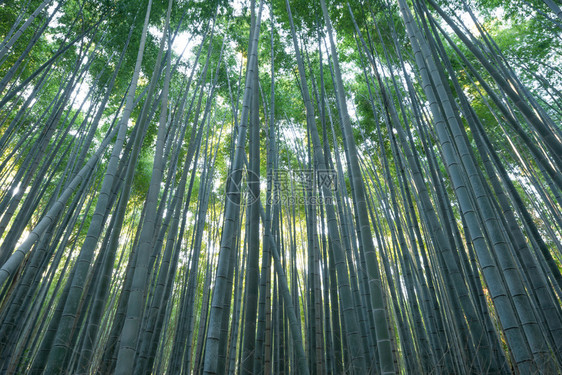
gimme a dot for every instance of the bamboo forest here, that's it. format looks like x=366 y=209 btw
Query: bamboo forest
x=281 y=187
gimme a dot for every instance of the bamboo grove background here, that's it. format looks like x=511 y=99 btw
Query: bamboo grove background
x=144 y=144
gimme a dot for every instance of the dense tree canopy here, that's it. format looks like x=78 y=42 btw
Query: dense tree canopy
x=289 y=186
